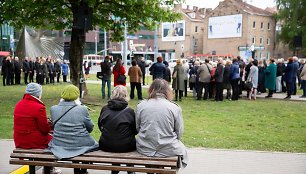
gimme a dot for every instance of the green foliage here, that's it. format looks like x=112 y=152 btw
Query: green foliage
x=108 y=14
x=292 y=16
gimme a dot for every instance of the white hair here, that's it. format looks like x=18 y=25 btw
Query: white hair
x=120 y=92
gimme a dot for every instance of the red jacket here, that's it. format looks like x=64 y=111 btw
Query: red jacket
x=31 y=127
x=116 y=73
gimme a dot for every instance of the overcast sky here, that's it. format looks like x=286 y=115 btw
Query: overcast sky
x=214 y=3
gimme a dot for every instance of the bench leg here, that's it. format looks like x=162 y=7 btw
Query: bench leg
x=32 y=169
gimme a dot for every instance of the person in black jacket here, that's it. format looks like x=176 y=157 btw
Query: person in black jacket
x=17 y=70
x=31 y=72
x=167 y=74
x=4 y=69
x=57 y=69
x=219 y=80
x=106 y=76
x=117 y=124
x=26 y=69
x=142 y=65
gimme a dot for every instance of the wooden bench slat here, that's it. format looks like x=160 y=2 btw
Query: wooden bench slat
x=93 y=166
x=49 y=157
x=129 y=155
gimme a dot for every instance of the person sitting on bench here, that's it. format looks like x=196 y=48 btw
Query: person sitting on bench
x=117 y=124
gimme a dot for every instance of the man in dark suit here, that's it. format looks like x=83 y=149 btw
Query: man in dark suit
x=179 y=31
x=26 y=69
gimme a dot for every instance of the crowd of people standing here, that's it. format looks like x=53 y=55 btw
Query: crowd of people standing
x=45 y=70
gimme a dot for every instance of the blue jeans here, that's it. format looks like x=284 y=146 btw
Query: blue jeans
x=108 y=81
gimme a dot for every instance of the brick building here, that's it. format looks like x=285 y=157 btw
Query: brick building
x=237 y=28
x=173 y=44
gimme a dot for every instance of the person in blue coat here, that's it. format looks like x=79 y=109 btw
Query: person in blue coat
x=65 y=69
x=270 y=77
x=234 y=78
x=290 y=77
x=158 y=69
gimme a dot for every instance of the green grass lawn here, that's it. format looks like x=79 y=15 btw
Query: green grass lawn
x=272 y=125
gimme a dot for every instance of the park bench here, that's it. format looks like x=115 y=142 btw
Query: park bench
x=97 y=160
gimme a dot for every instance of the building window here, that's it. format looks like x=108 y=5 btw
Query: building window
x=268 y=41
x=268 y=26
x=254 y=24
x=196 y=29
x=253 y=40
x=262 y=25
x=261 y=41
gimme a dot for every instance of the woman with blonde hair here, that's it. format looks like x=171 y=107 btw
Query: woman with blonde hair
x=117 y=124
x=159 y=123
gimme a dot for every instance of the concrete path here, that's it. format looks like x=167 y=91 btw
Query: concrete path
x=208 y=161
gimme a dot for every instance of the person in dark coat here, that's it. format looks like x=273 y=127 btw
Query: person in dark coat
x=117 y=124
x=270 y=77
x=226 y=80
x=36 y=65
x=17 y=70
x=234 y=78
x=106 y=70
x=26 y=69
x=40 y=72
x=167 y=75
x=10 y=71
x=31 y=70
x=219 y=80
x=289 y=77
x=157 y=70
x=142 y=65
x=193 y=78
x=57 y=69
x=280 y=68
x=295 y=72
x=261 y=77
x=4 y=70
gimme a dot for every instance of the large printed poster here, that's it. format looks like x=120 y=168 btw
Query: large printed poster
x=225 y=26
x=173 y=31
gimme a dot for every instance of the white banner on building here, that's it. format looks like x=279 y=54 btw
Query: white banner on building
x=225 y=26
x=173 y=31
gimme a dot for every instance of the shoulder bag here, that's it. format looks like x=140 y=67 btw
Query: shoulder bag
x=63 y=115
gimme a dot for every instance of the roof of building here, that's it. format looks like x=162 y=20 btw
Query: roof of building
x=252 y=9
x=197 y=15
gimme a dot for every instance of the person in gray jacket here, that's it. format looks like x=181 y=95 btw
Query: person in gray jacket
x=72 y=127
x=159 y=123
x=204 y=73
x=178 y=76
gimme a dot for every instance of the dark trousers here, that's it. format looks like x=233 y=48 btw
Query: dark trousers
x=64 y=78
x=12 y=77
x=47 y=80
x=26 y=75
x=58 y=77
x=179 y=94
x=200 y=87
x=219 y=91
x=17 y=78
x=143 y=78
x=270 y=92
x=212 y=90
x=4 y=79
x=31 y=77
x=293 y=92
x=235 y=87
x=185 y=90
x=303 y=86
x=40 y=79
x=138 y=88
x=289 y=86
x=51 y=75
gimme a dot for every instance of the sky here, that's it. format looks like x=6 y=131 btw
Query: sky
x=214 y=3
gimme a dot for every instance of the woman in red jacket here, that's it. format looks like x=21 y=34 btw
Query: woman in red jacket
x=118 y=69
x=31 y=127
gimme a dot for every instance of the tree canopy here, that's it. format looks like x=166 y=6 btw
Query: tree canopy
x=111 y=15
x=292 y=16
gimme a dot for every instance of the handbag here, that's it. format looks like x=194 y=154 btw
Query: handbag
x=121 y=79
x=248 y=85
x=192 y=78
x=99 y=75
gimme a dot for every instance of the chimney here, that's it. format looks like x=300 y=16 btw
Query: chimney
x=187 y=7
x=195 y=8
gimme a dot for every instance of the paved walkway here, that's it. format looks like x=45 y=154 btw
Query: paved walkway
x=208 y=161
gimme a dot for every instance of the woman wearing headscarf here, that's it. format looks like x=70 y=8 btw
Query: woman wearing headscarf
x=178 y=77
x=117 y=124
x=159 y=123
x=72 y=126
